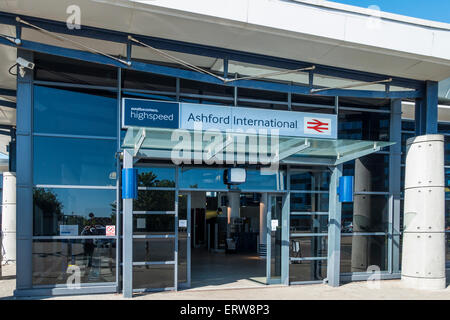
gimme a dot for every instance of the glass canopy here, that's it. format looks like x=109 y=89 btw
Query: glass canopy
x=244 y=147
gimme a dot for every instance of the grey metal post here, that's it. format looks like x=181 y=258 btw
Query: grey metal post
x=268 y=235
x=24 y=176
x=188 y=217
x=334 y=230
x=394 y=186
x=127 y=256
x=285 y=215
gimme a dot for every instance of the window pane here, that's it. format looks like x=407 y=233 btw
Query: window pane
x=372 y=173
x=69 y=112
x=153 y=276
x=308 y=247
x=314 y=181
x=257 y=181
x=81 y=212
x=309 y=202
x=308 y=223
x=153 y=250
x=359 y=125
x=66 y=161
x=307 y=270
x=201 y=178
x=154 y=201
x=156 y=177
x=145 y=224
x=358 y=253
x=95 y=258
x=368 y=213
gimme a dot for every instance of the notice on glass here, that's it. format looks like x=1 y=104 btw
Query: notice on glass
x=274 y=224
x=140 y=223
x=182 y=223
x=68 y=230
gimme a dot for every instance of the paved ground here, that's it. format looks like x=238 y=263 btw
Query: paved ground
x=388 y=290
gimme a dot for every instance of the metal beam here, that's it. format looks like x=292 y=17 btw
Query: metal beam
x=203 y=50
x=294 y=149
x=357 y=155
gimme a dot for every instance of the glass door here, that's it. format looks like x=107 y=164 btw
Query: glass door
x=184 y=240
x=274 y=238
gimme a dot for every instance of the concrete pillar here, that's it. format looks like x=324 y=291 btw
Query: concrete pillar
x=9 y=217
x=262 y=249
x=423 y=254
x=234 y=204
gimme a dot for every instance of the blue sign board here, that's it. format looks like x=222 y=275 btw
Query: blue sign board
x=181 y=115
x=149 y=113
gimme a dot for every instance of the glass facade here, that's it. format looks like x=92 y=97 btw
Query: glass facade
x=76 y=191
x=75 y=183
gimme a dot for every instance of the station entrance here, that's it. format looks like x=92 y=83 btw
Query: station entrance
x=231 y=239
x=186 y=227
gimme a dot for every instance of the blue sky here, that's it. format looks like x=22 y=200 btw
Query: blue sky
x=437 y=10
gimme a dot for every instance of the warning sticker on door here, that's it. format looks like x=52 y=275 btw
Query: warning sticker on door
x=110 y=231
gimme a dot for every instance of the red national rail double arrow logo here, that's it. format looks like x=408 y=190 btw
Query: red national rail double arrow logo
x=317 y=125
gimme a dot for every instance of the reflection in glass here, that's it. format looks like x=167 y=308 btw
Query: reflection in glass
x=154 y=201
x=309 y=223
x=153 y=250
x=153 y=276
x=358 y=253
x=310 y=181
x=55 y=260
x=146 y=224
x=357 y=125
x=59 y=111
x=369 y=214
x=257 y=181
x=201 y=178
x=308 y=247
x=372 y=173
x=309 y=202
x=307 y=270
x=67 y=161
x=156 y=177
x=81 y=211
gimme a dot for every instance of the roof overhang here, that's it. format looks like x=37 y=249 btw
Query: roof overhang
x=311 y=31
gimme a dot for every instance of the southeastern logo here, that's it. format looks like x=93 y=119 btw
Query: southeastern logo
x=150 y=114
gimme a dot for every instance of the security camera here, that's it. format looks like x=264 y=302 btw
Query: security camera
x=25 y=64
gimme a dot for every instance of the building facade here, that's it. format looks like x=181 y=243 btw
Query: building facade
x=78 y=231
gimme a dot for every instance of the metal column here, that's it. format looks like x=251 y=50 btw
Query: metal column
x=426 y=113
x=24 y=176
x=394 y=186
x=127 y=255
x=285 y=213
x=334 y=230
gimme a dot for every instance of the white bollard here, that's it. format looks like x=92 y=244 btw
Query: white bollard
x=423 y=254
x=9 y=217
